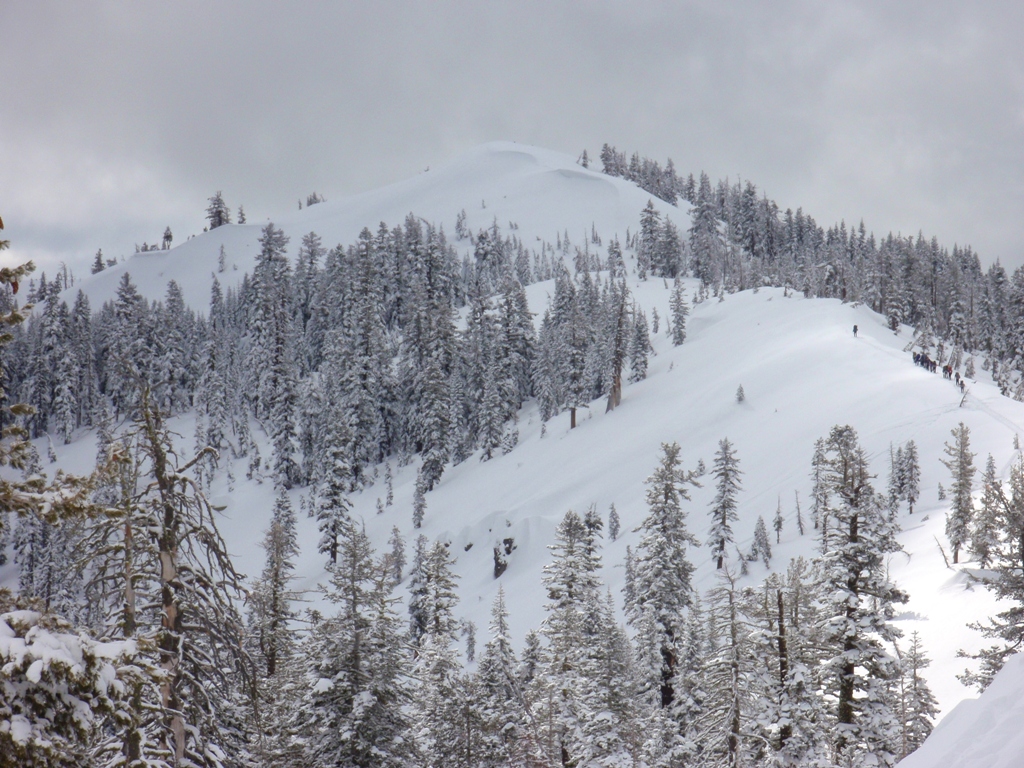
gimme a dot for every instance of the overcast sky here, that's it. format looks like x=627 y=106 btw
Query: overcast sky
x=118 y=119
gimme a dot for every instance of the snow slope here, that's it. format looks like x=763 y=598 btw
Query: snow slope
x=983 y=732
x=544 y=193
x=797 y=360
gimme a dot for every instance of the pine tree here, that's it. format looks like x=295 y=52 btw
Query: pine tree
x=160 y=563
x=355 y=713
x=662 y=587
x=331 y=503
x=505 y=736
x=396 y=556
x=679 y=310
x=785 y=648
x=614 y=524
x=57 y=687
x=985 y=525
x=417 y=590
x=650 y=227
x=274 y=640
x=761 y=546
x=217 y=212
x=128 y=359
x=918 y=706
x=640 y=347
x=961 y=464
x=582 y=697
x=897 y=479
x=723 y=508
x=446 y=719
x=1007 y=556
x=419 y=501
x=857 y=606
x=725 y=724
x=819 y=491
x=777 y=522
x=911 y=475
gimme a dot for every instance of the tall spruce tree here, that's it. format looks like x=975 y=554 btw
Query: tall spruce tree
x=857 y=606
x=961 y=465
x=1006 y=628
x=355 y=713
x=662 y=586
x=723 y=514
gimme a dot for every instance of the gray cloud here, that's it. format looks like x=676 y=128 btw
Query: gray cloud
x=120 y=118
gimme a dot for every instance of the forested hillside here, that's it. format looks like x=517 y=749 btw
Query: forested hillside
x=512 y=463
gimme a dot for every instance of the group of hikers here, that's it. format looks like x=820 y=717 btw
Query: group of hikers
x=920 y=358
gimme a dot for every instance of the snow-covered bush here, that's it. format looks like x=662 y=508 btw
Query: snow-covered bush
x=54 y=687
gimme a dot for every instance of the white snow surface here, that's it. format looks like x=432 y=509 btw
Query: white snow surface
x=980 y=733
x=800 y=366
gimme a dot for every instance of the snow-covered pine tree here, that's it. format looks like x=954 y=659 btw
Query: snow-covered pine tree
x=726 y=726
x=961 y=465
x=128 y=358
x=270 y=361
x=618 y=340
x=726 y=472
x=897 y=479
x=785 y=646
x=396 y=556
x=778 y=521
x=679 y=311
x=857 y=605
x=86 y=389
x=1006 y=628
x=705 y=242
x=640 y=346
x=57 y=686
x=761 y=548
x=446 y=720
x=419 y=501
x=820 y=492
x=331 y=503
x=650 y=228
x=355 y=712
x=172 y=381
x=614 y=524
x=911 y=475
x=507 y=736
x=663 y=594
x=581 y=697
x=918 y=706
x=217 y=212
x=273 y=642
x=272 y=595
x=984 y=533
x=159 y=565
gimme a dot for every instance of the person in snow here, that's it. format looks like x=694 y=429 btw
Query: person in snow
x=855 y=331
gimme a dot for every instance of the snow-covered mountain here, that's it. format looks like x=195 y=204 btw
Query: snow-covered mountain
x=801 y=368
x=545 y=194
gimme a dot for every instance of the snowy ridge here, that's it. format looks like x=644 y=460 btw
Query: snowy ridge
x=544 y=193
